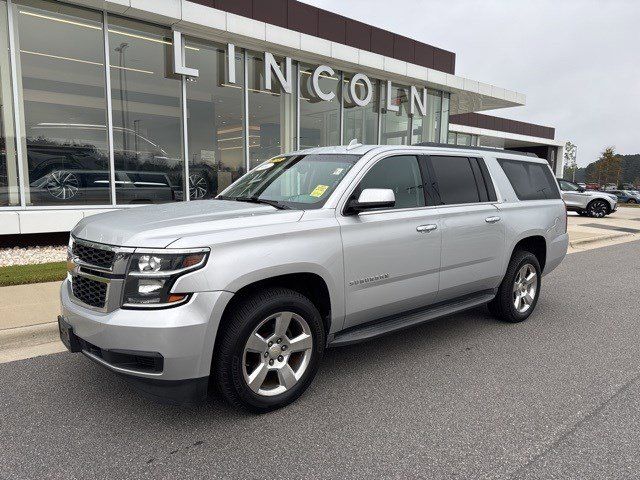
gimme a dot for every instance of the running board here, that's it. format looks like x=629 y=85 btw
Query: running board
x=382 y=327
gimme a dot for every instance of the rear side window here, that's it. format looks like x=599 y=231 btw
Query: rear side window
x=530 y=181
x=454 y=180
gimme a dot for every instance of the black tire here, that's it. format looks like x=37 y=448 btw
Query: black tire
x=632 y=201
x=582 y=213
x=598 y=209
x=227 y=368
x=502 y=306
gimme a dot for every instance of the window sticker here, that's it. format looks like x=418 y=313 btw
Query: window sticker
x=319 y=191
x=278 y=159
x=338 y=171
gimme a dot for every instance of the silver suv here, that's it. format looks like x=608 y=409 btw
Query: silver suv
x=318 y=248
x=587 y=202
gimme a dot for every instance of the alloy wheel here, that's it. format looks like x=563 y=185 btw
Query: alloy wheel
x=277 y=354
x=598 y=209
x=63 y=185
x=525 y=288
x=198 y=186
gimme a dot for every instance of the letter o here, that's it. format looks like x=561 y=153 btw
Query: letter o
x=361 y=102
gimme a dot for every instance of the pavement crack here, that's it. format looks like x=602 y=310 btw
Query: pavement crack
x=577 y=425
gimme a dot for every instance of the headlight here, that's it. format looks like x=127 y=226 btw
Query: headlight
x=152 y=274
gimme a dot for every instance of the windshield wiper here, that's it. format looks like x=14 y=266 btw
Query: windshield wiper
x=273 y=203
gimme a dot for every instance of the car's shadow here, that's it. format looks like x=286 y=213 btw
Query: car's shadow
x=441 y=338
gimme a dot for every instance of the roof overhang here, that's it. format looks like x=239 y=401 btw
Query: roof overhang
x=498 y=139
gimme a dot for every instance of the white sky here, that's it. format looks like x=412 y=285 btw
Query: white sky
x=577 y=61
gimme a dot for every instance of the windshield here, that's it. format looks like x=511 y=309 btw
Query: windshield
x=295 y=181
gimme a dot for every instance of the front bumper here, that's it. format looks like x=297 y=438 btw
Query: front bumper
x=183 y=336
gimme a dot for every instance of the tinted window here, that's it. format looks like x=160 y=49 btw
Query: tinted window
x=454 y=180
x=530 y=181
x=402 y=175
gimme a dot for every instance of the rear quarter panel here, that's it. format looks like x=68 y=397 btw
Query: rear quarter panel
x=522 y=219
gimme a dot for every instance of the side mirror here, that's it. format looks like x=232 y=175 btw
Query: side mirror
x=372 y=198
x=582 y=189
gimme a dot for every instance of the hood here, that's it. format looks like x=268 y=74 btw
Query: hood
x=157 y=226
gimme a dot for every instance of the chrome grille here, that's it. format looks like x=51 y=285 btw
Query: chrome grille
x=90 y=292
x=94 y=256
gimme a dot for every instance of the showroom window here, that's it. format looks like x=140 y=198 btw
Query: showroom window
x=9 y=190
x=395 y=125
x=319 y=118
x=361 y=122
x=61 y=63
x=147 y=114
x=215 y=114
x=427 y=129
x=272 y=113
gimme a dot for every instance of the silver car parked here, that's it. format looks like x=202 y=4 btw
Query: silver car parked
x=313 y=249
x=587 y=202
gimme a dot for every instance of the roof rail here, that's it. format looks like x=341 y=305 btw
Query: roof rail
x=481 y=149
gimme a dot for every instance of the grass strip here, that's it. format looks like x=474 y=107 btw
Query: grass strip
x=38 y=273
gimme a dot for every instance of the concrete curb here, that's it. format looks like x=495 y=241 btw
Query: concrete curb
x=603 y=238
x=11 y=338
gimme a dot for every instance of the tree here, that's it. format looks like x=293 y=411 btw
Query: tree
x=570 y=164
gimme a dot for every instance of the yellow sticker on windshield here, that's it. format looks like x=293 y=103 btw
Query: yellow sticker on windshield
x=278 y=159
x=319 y=190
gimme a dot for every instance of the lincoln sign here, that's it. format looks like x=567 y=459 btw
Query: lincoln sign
x=360 y=97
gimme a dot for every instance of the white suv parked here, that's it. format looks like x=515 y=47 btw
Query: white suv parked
x=587 y=202
x=309 y=250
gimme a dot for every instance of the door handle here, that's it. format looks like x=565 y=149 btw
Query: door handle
x=492 y=219
x=426 y=228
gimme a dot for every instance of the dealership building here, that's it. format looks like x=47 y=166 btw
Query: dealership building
x=112 y=104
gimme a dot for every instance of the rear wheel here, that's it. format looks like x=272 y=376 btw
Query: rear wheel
x=269 y=350
x=633 y=200
x=598 y=209
x=519 y=291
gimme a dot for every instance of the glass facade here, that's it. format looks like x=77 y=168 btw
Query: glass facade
x=272 y=112
x=215 y=115
x=147 y=114
x=427 y=129
x=319 y=119
x=9 y=190
x=361 y=122
x=394 y=126
x=104 y=120
x=62 y=82
x=463 y=139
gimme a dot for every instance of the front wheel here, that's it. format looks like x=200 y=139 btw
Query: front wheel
x=633 y=200
x=520 y=288
x=597 y=209
x=269 y=350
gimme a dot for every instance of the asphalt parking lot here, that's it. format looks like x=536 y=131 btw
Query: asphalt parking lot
x=461 y=397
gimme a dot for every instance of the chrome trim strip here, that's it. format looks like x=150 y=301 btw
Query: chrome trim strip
x=119 y=369
x=80 y=263
x=170 y=251
x=103 y=246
